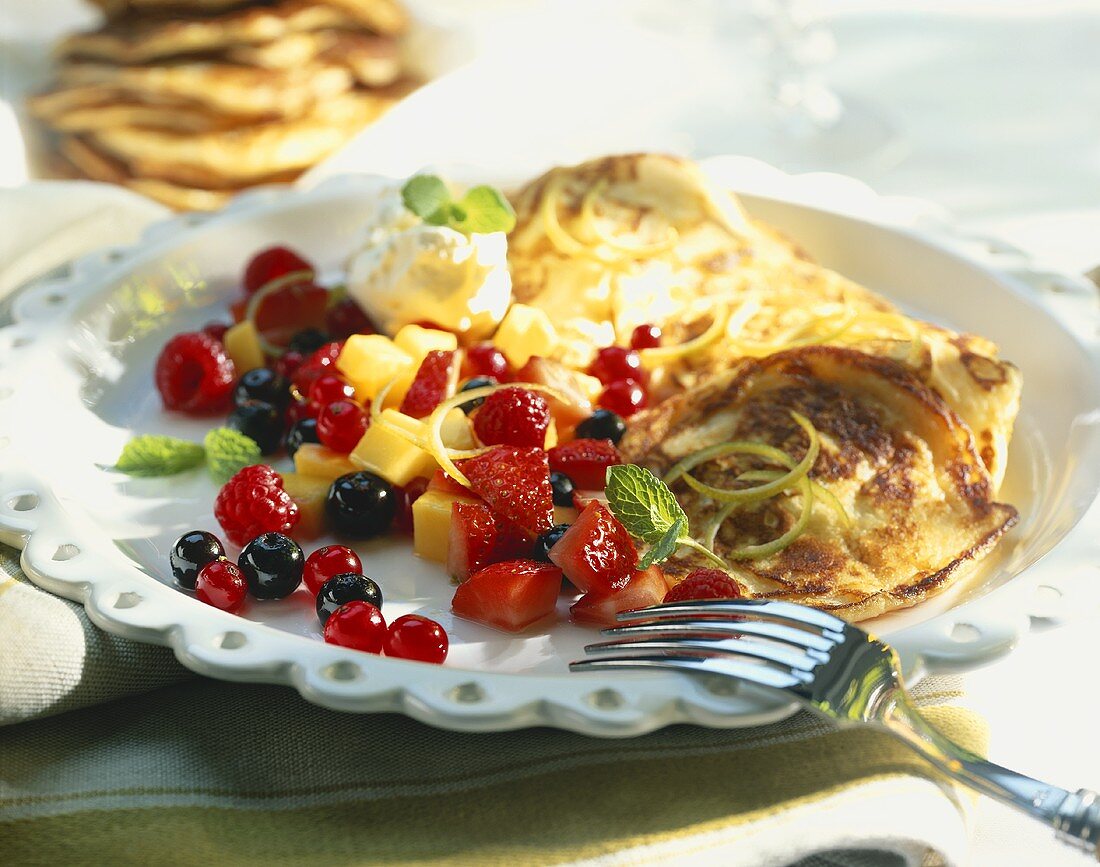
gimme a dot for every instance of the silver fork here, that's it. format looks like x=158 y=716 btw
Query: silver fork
x=835 y=670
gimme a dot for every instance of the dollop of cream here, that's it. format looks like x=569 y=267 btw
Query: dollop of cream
x=408 y=271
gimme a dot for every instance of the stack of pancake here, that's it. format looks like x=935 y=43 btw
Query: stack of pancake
x=190 y=101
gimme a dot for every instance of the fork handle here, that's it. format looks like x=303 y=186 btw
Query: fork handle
x=1075 y=817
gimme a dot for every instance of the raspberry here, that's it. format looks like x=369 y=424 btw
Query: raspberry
x=513 y=417
x=704 y=584
x=216 y=330
x=268 y=264
x=194 y=374
x=585 y=462
x=253 y=502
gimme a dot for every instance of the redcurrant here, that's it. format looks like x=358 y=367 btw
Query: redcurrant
x=327 y=562
x=341 y=425
x=416 y=637
x=645 y=337
x=222 y=585
x=358 y=625
x=330 y=388
x=613 y=363
x=624 y=397
x=484 y=359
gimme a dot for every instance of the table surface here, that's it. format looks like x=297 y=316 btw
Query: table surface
x=994 y=103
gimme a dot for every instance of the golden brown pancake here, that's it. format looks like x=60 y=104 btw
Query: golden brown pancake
x=900 y=462
x=382 y=16
x=612 y=243
x=223 y=87
x=140 y=40
x=246 y=154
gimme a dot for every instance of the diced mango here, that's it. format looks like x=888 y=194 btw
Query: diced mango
x=432 y=524
x=309 y=492
x=457 y=431
x=524 y=332
x=591 y=386
x=315 y=460
x=418 y=341
x=551 y=435
x=390 y=455
x=369 y=361
x=242 y=344
x=401 y=386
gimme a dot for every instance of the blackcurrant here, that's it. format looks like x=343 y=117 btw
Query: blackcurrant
x=308 y=340
x=192 y=551
x=272 y=565
x=343 y=588
x=263 y=383
x=301 y=432
x=470 y=385
x=360 y=505
x=562 y=486
x=258 y=421
x=603 y=424
x=547 y=540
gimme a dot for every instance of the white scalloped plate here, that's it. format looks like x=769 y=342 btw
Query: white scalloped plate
x=75 y=384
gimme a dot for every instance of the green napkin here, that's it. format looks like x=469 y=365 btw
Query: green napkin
x=201 y=771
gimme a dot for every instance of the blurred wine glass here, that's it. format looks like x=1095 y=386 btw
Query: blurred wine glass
x=810 y=125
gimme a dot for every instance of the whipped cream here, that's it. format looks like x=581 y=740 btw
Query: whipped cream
x=408 y=271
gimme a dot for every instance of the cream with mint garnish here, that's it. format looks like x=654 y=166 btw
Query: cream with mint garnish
x=431 y=256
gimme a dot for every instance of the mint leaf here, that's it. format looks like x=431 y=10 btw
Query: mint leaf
x=666 y=546
x=153 y=455
x=650 y=512
x=425 y=196
x=483 y=210
x=228 y=451
x=642 y=502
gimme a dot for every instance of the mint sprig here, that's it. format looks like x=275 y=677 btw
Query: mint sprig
x=650 y=512
x=229 y=451
x=154 y=455
x=224 y=451
x=483 y=209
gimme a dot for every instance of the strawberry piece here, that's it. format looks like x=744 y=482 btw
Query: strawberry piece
x=515 y=482
x=510 y=595
x=556 y=375
x=513 y=417
x=642 y=590
x=478 y=538
x=472 y=538
x=435 y=380
x=443 y=483
x=585 y=461
x=704 y=584
x=596 y=553
x=269 y=264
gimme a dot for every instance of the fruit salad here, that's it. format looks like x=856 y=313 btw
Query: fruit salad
x=493 y=460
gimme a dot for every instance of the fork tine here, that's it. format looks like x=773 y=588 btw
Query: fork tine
x=786 y=612
x=759 y=675
x=774 y=653
x=762 y=628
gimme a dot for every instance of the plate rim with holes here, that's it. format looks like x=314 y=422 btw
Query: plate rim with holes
x=59 y=554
